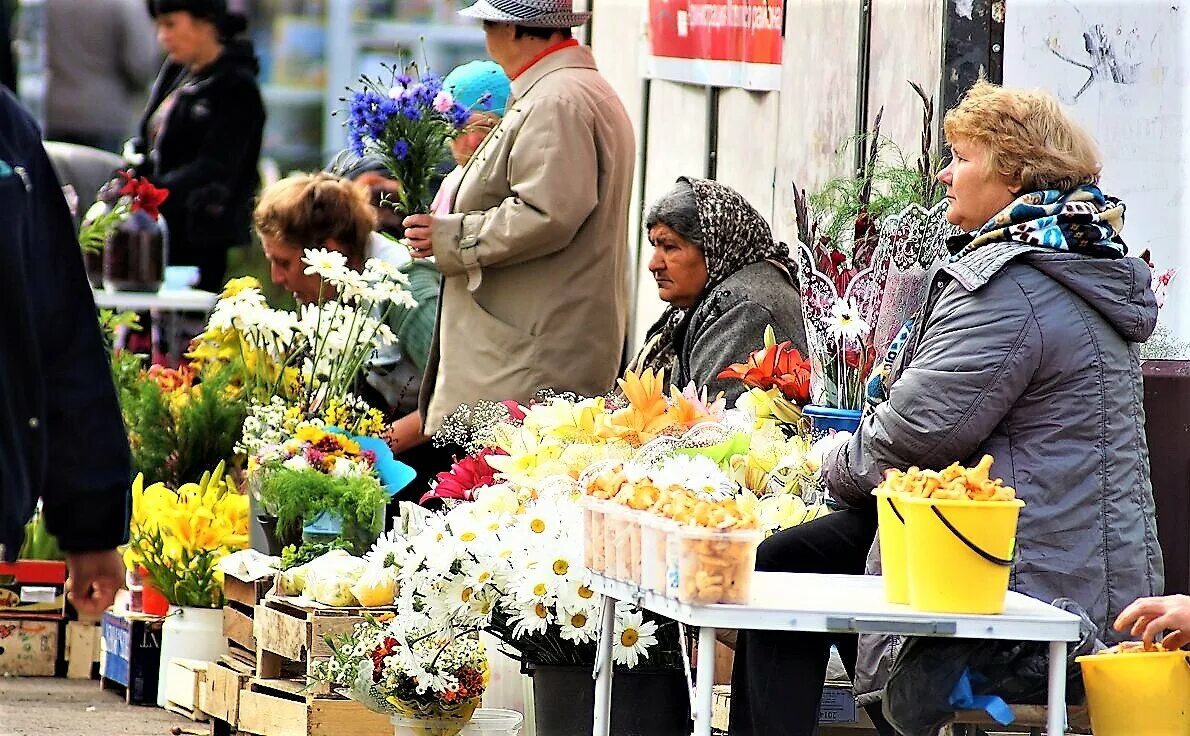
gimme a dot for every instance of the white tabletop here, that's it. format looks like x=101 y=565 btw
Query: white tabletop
x=851 y=603
x=175 y=300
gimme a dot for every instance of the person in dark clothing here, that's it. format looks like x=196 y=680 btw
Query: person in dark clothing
x=201 y=133
x=8 y=61
x=61 y=435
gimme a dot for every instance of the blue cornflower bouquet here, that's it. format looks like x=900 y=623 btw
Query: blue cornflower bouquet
x=408 y=125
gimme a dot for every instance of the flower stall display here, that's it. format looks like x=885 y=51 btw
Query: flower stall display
x=178 y=536
x=865 y=244
x=408 y=123
x=317 y=472
x=428 y=673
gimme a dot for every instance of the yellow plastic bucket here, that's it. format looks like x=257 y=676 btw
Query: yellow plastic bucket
x=893 y=565
x=1138 y=693
x=959 y=553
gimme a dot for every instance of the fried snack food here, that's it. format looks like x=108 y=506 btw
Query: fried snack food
x=1135 y=647
x=715 y=566
x=954 y=483
x=593 y=530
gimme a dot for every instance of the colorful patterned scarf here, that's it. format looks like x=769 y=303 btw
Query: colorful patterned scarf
x=1083 y=220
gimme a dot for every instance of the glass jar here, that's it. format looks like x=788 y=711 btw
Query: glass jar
x=136 y=253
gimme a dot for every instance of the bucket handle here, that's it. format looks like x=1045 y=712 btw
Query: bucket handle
x=970 y=545
x=895 y=510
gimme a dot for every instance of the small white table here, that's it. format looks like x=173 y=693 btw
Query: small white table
x=829 y=603
x=166 y=304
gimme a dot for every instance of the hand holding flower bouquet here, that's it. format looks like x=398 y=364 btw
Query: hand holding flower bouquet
x=407 y=123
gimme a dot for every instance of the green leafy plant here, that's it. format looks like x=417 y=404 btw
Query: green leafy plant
x=39 y=544
x=175 y=433
x=293 y=555
x=297 y=497
x=93 y=235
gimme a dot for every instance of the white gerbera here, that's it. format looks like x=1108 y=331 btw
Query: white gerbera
x=846 y=322
x=634 y=636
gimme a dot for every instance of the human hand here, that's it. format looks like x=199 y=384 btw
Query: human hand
x=418 y=235
x=1148 y=617
x=93 y=579
x=405 y=433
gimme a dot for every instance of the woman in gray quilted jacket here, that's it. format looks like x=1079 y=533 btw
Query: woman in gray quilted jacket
x=1024 y=350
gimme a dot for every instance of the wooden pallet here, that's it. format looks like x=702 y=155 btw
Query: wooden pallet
x=277 y=707
x=290 y=636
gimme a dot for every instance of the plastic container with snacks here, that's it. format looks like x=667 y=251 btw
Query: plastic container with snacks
x=593 y=530
x=613 y=536
x=714 y=566
x=654 y=538
x=628 y=549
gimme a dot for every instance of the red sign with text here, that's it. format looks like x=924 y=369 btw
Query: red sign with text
x=747 y=31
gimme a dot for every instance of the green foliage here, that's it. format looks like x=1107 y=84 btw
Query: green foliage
x=293 y=555
x=39 y=544
x=93 y=235
x=298 y=496
x=177 y=435
x=110 y=321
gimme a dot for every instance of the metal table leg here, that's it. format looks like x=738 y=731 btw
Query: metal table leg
x=604 y=669
x=1056 y=710
x=705 y=677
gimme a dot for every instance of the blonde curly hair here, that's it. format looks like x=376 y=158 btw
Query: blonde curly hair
x=306 y=210
x=1030 y=139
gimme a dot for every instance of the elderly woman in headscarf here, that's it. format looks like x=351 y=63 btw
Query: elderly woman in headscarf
x=725 y=280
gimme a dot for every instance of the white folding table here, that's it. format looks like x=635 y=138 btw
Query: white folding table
x=829 y=603
x=166 y=304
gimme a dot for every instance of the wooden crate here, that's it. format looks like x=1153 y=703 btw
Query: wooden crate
x=290 y=635
x=83 y=649
x=220 y=696
x=29 y=646
x=283 y=708
x=184 y=684
x=238 y=613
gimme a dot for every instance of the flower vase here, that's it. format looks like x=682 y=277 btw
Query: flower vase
x=190 y=633
x=823 y=419
x=136 y=253
x=436 y=719
x=644 y=703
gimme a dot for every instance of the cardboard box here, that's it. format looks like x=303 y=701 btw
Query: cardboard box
x=29 y=647
x=32 y=588
x=132 y=655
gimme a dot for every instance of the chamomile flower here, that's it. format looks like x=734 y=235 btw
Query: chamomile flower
x=577 y=625
x=845 y=321
x=633 y=638
x=328 y=264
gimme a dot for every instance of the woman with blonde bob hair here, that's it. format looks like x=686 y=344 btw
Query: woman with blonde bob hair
x=326 y=211
x=1025 y=350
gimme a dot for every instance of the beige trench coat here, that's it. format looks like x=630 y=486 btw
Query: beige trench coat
x=535 y=258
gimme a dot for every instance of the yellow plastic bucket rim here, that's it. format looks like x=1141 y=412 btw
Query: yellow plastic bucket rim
x=956 y=502
x=1130 y=656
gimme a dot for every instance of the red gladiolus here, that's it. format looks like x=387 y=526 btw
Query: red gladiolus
x=144 y=195
x=778 y=366
x=464 y=477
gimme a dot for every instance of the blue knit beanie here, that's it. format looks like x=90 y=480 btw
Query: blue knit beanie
x=479 y=80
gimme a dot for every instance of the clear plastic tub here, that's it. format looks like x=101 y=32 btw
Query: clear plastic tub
x=714 y=566
x=593 y=530
x=628 y=550
x=613 y=535
x=654 y=539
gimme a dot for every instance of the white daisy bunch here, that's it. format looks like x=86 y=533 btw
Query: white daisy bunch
x=263 y=328
x=268 y=425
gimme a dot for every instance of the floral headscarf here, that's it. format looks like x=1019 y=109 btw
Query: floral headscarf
x=735 y=235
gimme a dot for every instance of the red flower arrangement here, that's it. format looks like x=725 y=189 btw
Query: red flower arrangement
x=145 y=197
x=464 y=476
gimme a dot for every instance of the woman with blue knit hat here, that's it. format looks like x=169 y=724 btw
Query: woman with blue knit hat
x=483 y=88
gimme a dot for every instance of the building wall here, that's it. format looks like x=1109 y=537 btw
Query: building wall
x=764 y=142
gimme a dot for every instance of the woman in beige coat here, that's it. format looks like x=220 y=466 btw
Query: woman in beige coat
x=535 y=258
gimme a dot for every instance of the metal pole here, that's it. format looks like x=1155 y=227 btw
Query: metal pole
x=705 y=678
x=1056 y=710
x=603 y=670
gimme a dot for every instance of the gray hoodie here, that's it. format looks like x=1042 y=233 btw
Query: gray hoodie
x=1029 y=355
